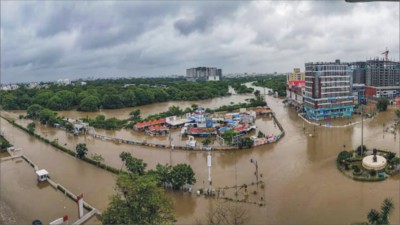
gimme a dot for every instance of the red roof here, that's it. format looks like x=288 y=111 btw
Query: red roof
x=150 y=123
x=297 y=82
x=158 y=128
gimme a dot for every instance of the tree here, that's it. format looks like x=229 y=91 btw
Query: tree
x=81 y=150
x=163 y=174
x=31 y=127
x=382 y=217
x=135 y=113
x=397 y=113
x=33 y=111
x=228 y=135
x=245 y=143
x=182 y=174
x=69 y=127
x=358 y=149
x=98 y=158
x=227 y=213
x=89 y=104
x=47 y=116
x=138 y=201
x=194 y=106
x=207 y=141
x=134 y=165
x=382 y=104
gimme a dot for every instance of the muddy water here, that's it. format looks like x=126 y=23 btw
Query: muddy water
x=303 y=185
x=147 y=110
x=30 y=199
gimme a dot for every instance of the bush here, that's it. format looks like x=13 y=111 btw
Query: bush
x=358 y=150
x=372 y=173
x=343 y=155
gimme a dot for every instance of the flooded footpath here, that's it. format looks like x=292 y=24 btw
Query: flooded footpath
x=302 y=183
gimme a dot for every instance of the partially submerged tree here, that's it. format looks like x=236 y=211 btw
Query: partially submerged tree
x=81 y=150
x=382 y=104
x=382 y=217
x=227 y=213
x=134 y=165
x=138 y=201
x=31 y=127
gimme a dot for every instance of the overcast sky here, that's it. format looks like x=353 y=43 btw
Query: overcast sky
x=43 y=41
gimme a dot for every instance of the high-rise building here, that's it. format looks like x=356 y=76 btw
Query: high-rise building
x=296 y=75
x=328 y=92
x=203 y=73
x=359 y=72
x=382 y=73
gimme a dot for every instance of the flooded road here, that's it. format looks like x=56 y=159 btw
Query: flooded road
x=303 y=185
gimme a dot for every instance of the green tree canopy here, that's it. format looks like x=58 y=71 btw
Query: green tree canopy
x=182 y=174
x=31 y=127
x=89 y=104
x=134 y=165
x=382 y=104
x=34 y=110
x=81 y=150
x=138 y=201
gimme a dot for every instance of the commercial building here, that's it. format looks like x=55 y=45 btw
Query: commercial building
x=203 y=73
x=383 y=78
x=358 y=91
x=296 y=75
x=328 y=90
x=295 y=91
x=359 y=72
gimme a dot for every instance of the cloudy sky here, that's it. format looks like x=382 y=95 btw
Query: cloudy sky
x=43 y=41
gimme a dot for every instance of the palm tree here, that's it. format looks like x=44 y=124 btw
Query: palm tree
x=386 y=209
x=382 y=217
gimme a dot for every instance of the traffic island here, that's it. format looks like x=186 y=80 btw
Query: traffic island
x=367 y=165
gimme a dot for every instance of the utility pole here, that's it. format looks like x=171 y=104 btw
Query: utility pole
x=209 y=172
x=170 y=149
x=362 y=129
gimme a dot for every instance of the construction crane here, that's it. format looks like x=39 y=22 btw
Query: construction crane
x=386 y=53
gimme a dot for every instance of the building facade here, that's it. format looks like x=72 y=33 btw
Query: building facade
x=358 y=91
x=384 y=76
x=295 y=92
x=328 y=90
x=296 y=75
x=359 y=72
x=203 y=73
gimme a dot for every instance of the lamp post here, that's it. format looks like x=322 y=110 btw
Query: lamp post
x=170 y=150
x=362 y=129
x=256 y=173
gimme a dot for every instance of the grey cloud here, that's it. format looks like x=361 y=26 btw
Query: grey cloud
x=74 y=39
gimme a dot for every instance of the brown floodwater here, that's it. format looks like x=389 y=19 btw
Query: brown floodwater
x=302 y=184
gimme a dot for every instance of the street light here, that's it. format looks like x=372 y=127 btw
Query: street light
x=256 y=173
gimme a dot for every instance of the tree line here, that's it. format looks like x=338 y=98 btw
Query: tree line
x=111 y=94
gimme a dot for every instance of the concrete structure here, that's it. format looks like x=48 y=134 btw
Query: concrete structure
x=203 y=73
x=359 y=72
x=358 y=91
x=64 y=82
x=328 y=92
x=296 y=75
x=369 y=163
x=294 y=92
x=384 y=76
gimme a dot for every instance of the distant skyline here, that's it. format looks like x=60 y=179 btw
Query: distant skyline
x=46 y=41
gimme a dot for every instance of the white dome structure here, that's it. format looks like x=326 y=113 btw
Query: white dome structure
x=369 y=164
